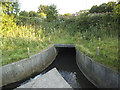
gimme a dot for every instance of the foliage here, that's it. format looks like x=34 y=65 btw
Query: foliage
x=104 y=7
x=8 y=25
x=110 y=6
x=42 y=9
x=42 y=15
x=33 y=14
x=14 y=47
x=28 y=20
x=10 y=8
x=50 y=11
x=24 y=13
x=87 y=31
x=93 y=9
x=68 y=14
x=117 y=12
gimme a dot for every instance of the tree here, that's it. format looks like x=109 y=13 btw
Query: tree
x=42 y=9
x=94 y=9
x=33 y=14
x=110 y=6
x=50 y=11
x=24 y=13
x=10 y=8
x=117 y=12
x=16 y=7
x=7 y=23
x=102 y=8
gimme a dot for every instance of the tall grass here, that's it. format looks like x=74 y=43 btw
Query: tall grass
x=15 y=43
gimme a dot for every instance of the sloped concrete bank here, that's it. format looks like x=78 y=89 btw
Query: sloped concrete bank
x=24 y=68
x=100 y=75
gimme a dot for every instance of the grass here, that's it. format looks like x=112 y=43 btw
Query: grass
x=108 y=51
x=16 y=49
x=14 y=45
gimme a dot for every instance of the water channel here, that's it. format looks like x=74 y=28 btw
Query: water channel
x=65 y=63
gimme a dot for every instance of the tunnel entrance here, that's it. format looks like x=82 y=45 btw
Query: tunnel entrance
x=65 y=62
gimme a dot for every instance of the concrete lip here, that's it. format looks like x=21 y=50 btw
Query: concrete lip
x=64 y=45
x=51 y=79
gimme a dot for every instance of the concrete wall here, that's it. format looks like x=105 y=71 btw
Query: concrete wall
x=100 y=75
x=26 y=67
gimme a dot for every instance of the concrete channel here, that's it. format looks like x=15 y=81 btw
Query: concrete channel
x=78 y=70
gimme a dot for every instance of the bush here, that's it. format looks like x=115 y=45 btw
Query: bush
x=28 y=20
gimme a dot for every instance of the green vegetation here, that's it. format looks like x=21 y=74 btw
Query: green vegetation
x=50 y=11
x=88 y=31
x=88 y=38
x=68 y=14
x=105 y=7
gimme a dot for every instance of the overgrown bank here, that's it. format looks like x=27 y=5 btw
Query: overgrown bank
x=87 y=31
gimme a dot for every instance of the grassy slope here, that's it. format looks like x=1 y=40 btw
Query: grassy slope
x=108 y=51
x=15 y=48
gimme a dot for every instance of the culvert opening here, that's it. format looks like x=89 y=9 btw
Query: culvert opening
x=65 y=62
